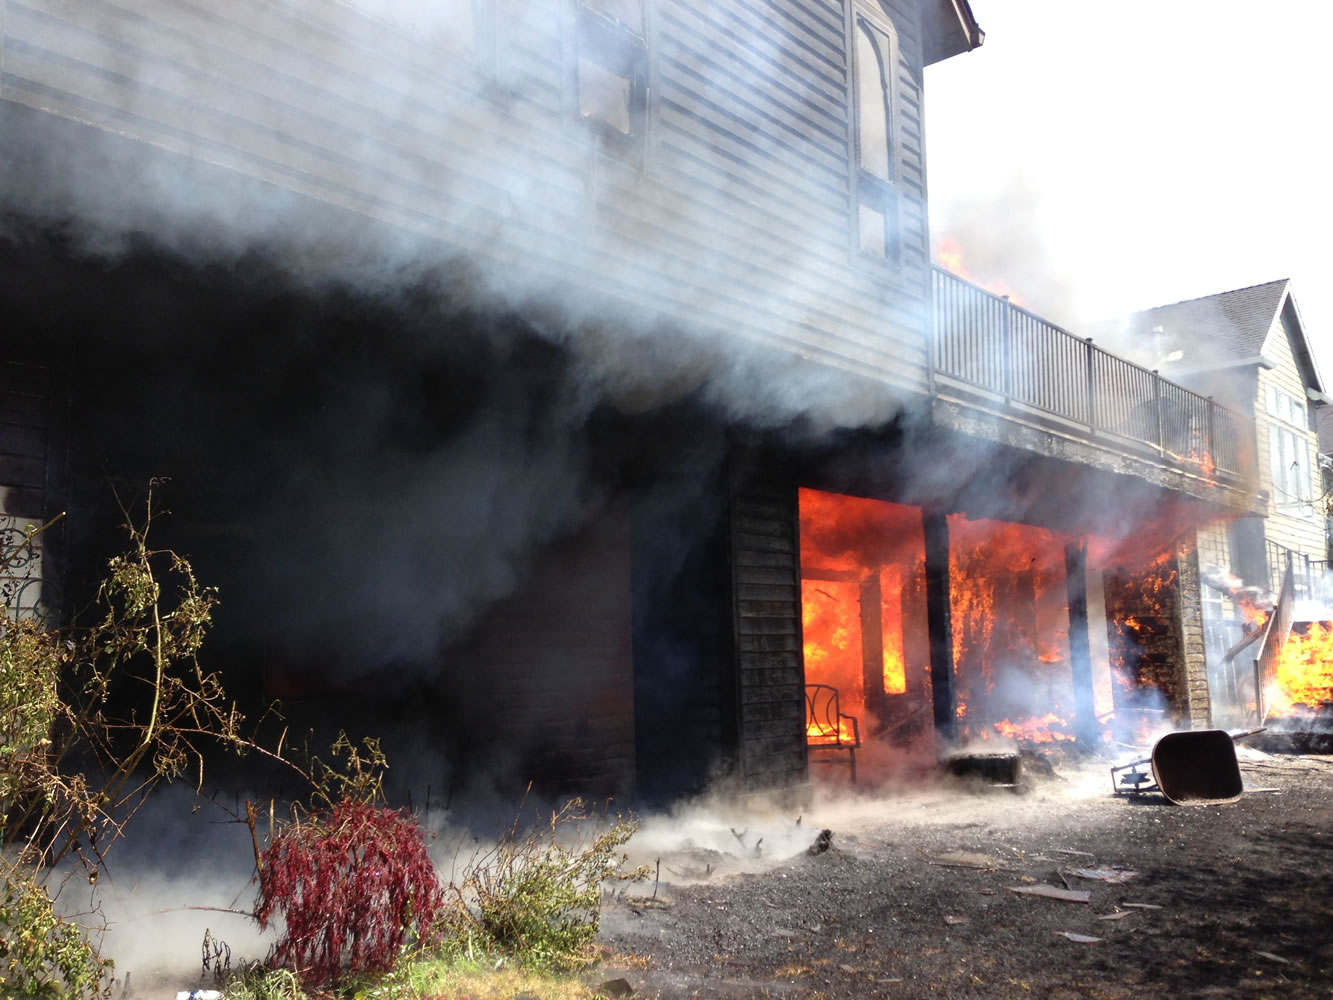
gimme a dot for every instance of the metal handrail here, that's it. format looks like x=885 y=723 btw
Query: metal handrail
x=985 y=340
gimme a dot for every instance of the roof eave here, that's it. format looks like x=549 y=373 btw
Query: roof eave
x=950 y=29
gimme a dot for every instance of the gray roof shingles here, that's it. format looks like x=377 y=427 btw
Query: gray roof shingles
x=1235 y=323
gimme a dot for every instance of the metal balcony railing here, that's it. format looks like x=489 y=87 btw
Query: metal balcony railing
x=985 y=341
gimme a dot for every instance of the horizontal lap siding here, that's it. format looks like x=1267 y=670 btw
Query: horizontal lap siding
x=768 y=630
x=292 y=101
x=26 y=400
x=556 y=659
x=738 y=221
x=753 y=116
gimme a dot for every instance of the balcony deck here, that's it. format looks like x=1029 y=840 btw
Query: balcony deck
x=997 y=358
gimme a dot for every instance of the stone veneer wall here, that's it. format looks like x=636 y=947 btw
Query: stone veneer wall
x=1155 y=620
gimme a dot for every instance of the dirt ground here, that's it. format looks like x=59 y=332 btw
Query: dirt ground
x=913 y=898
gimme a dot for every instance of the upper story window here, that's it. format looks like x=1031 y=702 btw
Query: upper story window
x=1287 y=407
x=612 y=68
x=874 y=64
x=1289 y=450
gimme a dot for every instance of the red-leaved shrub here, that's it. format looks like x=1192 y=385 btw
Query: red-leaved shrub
x=350 y=884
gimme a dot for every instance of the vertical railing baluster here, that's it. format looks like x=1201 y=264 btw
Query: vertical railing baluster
x=1092 y=423
x=1157 y=397
x=1212 y=451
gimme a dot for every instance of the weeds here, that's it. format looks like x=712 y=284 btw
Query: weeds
x=537 y=895
x=43 y=955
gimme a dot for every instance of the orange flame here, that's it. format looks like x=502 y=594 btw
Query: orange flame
x=1048 y=728
x=949 y=255
x=1304 y=671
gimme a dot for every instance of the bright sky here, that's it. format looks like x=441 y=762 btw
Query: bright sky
x=1103 y=157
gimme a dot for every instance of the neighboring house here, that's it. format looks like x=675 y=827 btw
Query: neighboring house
x=1325 y=421
x=1250 y=348
x=489 y=349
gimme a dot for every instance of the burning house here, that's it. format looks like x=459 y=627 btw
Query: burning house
x=563 y=388
x=1250 y=348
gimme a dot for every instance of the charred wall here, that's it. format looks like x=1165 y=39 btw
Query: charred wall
x=1156 y=637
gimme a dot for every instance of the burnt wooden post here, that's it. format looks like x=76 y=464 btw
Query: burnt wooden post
x=872 y=644
x=940 y=626
x=1080 y=643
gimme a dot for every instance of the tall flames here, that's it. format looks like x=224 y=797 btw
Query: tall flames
x=865 y=628
x=1010 y=612
x=862 y=601
x=1304 y=675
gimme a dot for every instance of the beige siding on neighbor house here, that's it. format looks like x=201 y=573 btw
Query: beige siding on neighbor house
x=1303 y=531
x=733 y=219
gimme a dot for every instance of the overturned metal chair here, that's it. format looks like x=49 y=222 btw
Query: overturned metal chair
x=827 y=728
x=1188 y=768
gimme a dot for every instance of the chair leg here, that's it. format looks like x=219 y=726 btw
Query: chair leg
x=852 y=754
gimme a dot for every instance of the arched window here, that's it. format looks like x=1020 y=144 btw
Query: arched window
x=874 y=63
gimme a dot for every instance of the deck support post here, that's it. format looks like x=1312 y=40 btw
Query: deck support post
x=1080 y=643
x=940 y=626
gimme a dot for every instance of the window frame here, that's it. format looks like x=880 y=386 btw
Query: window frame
x=878 y=194
x=631 y=48
x=1289 y=450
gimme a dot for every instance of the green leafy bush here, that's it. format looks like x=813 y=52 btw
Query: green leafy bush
x=537 y=895
x=42 y=954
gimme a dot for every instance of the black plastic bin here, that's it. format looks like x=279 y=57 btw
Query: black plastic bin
x=1192 y=767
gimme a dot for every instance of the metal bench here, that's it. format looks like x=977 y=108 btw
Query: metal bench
x=827 y=728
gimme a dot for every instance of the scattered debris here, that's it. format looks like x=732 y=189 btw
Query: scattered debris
x=821 y=844
x=964 y=859
x=1001 y=769
x=1080 y=938
x=1121 y=915
x=955 y=921
x=1053 y=892
x=1065 y=850
x=1142 y=906
x=1116 y=876
x=1275 y=958
x=615 y=988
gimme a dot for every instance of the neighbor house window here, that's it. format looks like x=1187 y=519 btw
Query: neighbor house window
x=1288 y=448
x=612 y=68
x=874 y=61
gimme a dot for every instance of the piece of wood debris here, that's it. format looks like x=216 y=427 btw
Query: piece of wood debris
x=964 y=859
x=1053 y=892
x=1065 y=850
x=1252 y=791
x=1080 y=938
x=955 y=921
x=1116 y=876
x=1142 y=906
x=1116 y=916
x=1272 y=957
